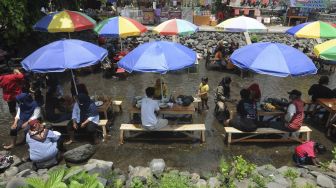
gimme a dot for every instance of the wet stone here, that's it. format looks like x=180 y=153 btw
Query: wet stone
x=301 y=182
x=274 y=185
x=16 y=182
x=157 y=166
x=213 y=183
x=201 y=183
x=324 y=181
x=26 y=165
x=12 y=171
x=281 y=180
x=194 y=178
x=80 y=154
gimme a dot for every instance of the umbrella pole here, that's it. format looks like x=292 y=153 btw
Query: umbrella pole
x=121 y=47
x=69 y=35
x=161 y=87
x=73 y=79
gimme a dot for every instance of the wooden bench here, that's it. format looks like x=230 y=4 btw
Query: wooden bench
x=172 y=128
x=231 y=130
x=102 y=123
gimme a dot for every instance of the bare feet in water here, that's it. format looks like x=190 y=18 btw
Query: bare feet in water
x=8 y=147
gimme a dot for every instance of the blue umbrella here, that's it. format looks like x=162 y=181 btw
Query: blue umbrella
x=158 y=56
x=274 y=59
x=64 y=54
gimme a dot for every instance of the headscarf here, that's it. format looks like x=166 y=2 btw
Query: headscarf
x=37 y=131
x=27 y=105
x=87 y=107
x=255 y=91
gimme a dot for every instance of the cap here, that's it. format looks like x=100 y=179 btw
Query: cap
x=295 y=92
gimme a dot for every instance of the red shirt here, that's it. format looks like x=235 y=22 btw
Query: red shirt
x=305 y=150
x=11 y=85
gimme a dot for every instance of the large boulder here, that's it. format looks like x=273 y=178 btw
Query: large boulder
x=201 y=183
x=281 y=180
x=12 y=171
x=157 y=166
x=324 y=181
x=80 y=154
x=302 y=182
x=98 y=166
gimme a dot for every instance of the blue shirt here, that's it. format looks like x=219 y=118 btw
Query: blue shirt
x=76 y=115
x=42 y=151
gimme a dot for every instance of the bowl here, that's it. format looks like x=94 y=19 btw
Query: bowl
x=163 y=105
x=99 y=103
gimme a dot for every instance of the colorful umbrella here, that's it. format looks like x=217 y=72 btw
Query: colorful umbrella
x=158 y=56
x=64 y=21
x=317 y=29
x=119 y=27
x=326 y=50
x=242 y=24
x=175 y=27
x=274 y=59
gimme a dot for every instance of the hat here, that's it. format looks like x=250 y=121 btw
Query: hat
x=295 y=92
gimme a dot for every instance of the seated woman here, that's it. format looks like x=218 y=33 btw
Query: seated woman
x=219 y=60
x=85 y=117
x=246 y=113
x=52 y=104
x=222 y=94
x=43 y=145
x=255 y=92
x=28 y=110
x=157 y=87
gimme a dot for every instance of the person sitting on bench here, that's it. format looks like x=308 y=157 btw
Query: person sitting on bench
x=43 y=145
x=85 y=117
x=28 y=110
x=305 y=154
x=320 y=90
x=246 y=113
x=148 y=108
x=222 y=94
x=294 y=115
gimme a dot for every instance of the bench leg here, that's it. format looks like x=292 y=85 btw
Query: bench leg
x=308 y=136
x=104 y=132
x=120 y=108
x=202 y=136
x=121 y=137
x=229 y=138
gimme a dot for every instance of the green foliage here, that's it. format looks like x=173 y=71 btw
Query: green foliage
x=224 y=167
x=117 y=183
x=170 y=180
x=56 y=180
x=325 y=165
x=259 y=181
x=242 y=168
x=255 y=38
x=137 y=183
x=308 y=185
x=291 y=174
x=334 y=153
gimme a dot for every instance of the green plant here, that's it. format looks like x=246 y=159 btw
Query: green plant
x=117 y=183
x=242 y=168
x=137 y=183
x=170 y=180
x=224 y=167
x=308 y=185
x=291 y=174
x=259 y=181
x=85 y=180
x=54 y=180
x=334 y=153
x=255 y=38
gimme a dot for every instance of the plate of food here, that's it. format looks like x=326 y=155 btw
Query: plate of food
x=99 y=103
x=163 y=105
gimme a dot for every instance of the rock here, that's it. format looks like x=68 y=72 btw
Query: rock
x=284 y=169
x=17 y=160
x=301 y=182
x=308 y=176
x=12 y=171
x=199 y=47
x=194 y=178
x=324 y=181
x=118 y=171
x=332 y=166
x=139 y=171
x=72 y=173
x=42 y=171
x=281 y=180
x=57 y=167
x=174 y=172
x=201 y=183
x=122 y=178
x=25 y=173
x=98 y=166
x=185 y=174
x=157 y=166
x=213 y=183
x=79 y=154
x=102 y=181
x=274 y=185
x=245 y=183
x=315 y=173
x=4 y=152
x=26 y=165
x=16 y=182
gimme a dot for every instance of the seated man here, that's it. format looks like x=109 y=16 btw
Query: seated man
x=85 y=117
x=148 y=108
x=294 y=115
x=222 y=94
x=42 y=144
x=305 y=154
x=321 y=90
x=246 y=113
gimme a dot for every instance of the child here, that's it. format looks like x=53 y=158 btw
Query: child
x=203 y=92
x=305 y=153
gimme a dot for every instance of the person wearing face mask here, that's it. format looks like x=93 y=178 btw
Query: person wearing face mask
x=294 y=114
x=85 y=117
x=28 y=110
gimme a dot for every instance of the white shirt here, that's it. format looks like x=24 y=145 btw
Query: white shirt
x=148 y=107
x=291 y=110
x=36 y=114
x=76 y=115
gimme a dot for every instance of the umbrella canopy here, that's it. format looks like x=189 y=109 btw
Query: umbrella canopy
x=274 y=59
x=317 y=29
x=64 y=54
x=326 y=50
x=64 y=21
x=158 y=56
x=242 y=24
x=175 y=27
x=119 y=27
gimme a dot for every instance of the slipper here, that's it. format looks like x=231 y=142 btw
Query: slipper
x=69 y=142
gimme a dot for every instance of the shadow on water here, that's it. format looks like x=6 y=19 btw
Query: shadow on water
x=189 y=155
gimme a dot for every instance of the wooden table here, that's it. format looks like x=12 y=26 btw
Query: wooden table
x=175 y=110
x=105 y=107
x=273 y=114
x=330 y=106
x=305 y=18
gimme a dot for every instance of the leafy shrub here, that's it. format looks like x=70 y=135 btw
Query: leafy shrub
x=334 y=153
x=137 y=183
x=242 y=168
x=291 y=174
x=170 y=180
x=308 y=185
